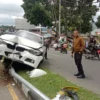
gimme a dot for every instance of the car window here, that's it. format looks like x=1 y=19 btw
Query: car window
x=30 y=36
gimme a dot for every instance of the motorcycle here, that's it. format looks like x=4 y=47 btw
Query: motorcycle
x=64 y=48
x=55 y=46
x=92 y=52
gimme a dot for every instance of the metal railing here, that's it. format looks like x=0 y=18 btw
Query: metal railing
x=34 y=92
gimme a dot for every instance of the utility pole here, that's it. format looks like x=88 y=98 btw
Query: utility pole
x=59 y=17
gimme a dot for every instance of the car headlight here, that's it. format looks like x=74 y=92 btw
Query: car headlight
x=36 y=52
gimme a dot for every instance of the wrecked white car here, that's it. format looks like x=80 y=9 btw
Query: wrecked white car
x=24 y=47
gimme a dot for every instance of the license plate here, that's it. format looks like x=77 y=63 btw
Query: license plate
x=10 y=55
x=16 y=56
x=13 y=56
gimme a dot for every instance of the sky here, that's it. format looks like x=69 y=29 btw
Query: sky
x=11 y=9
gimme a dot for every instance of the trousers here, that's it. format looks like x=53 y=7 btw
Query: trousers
x=78 y=62
x=47 y=47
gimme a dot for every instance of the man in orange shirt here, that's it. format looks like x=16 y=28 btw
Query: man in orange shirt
x=77 y=50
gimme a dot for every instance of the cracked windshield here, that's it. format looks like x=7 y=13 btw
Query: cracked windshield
x=49 y=49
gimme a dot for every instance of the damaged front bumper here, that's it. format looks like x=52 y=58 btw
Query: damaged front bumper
x=23 y=57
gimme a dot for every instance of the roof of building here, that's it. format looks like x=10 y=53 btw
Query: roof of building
x=23 y=24
x=95 y=31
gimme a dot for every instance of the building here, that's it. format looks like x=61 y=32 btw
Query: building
x=95 y=32
x=22 y=24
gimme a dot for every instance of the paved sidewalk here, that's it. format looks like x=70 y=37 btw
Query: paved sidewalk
x=7 y=90
x=4 y=93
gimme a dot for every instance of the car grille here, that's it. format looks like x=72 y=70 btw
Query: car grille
x=21 y=49
x=7 y=53
x=11 y=46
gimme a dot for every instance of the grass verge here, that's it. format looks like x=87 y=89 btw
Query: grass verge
x=51 y=83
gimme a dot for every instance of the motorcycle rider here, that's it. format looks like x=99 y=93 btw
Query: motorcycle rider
x=62 y=42
x=92 y=40
x=92 y=43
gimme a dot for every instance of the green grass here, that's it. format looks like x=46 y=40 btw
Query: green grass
x=51 y=83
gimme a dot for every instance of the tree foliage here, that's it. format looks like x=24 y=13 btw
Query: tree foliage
x=75 y=14
x=36 y=13
x=78 y=14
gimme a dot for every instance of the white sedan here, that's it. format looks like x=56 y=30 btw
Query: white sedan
x=24 y=47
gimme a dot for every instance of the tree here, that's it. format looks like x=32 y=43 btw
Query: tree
x=55 y=14
x=78 y=14
x=98 y=22
x=36 y=13
x=75 y=14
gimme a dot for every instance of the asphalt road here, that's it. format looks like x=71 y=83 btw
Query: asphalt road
x=64 y=65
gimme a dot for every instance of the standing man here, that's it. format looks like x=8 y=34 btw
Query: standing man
x=77 y=50
x=47 y=47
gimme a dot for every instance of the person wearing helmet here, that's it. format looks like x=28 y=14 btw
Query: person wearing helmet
x=92 y=40
x=92 y=43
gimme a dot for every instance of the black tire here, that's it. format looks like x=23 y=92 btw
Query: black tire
x=98 y=56
x=75 y=97
x=86 y=56
x=66 y=51
x=42 y=60
x=55 y=49
x=1 y=57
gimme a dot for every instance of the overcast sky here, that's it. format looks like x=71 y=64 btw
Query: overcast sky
x=10 y=9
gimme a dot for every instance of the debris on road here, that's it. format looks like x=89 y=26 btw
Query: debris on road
x=37 y=73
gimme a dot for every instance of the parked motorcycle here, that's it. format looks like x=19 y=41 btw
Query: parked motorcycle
x=92 y=52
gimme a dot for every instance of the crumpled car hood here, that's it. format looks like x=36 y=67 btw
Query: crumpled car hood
x=22 y=41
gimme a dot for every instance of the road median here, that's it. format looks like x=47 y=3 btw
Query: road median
x=51 y=83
